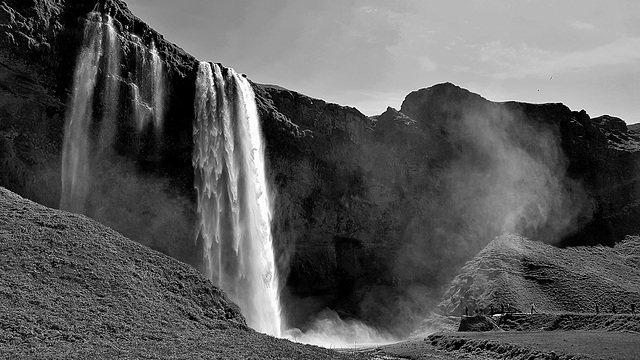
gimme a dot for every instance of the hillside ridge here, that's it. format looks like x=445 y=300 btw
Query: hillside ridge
x=72 y=288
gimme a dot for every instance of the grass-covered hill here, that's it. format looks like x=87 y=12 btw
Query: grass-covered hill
x=72 y=288
x=516 y=271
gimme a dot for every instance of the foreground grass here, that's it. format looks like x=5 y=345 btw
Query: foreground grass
x=71 y=288
x=574 y=344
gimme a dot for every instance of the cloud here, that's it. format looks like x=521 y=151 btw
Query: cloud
x=580 y=25
x=426 y=64
x=523 y=61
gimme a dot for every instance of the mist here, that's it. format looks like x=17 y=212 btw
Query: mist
x=461 y=172
x=330 y=331
x=513 y=179
x=504 y=173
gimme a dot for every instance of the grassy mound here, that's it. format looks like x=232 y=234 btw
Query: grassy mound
x=566 y=322
x=477 y=323
x=515 y=271
x=547 y=345
x=72 y=288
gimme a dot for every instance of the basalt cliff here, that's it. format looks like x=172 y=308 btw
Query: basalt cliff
x=366 y=209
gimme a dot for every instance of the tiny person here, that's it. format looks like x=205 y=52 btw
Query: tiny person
x=533 y=308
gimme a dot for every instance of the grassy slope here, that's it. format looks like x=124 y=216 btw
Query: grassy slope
x=72 y=288
x=542 y=345
x=564 y=284
x=514 y=270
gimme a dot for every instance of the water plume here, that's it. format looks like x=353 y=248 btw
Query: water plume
x=330 y=331
x=517 y=183
x=234 y=224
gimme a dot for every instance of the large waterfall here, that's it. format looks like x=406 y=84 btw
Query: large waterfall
x=233 y=199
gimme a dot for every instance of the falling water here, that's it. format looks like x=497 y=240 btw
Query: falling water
x=90 y=128
x=147 y=87
x=158 y=71
x=112 y=88
x=233 y=201
x=100 y=38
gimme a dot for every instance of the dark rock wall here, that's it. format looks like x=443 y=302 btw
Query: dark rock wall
x=372 y=216
x=599 y=156
x=375 y=219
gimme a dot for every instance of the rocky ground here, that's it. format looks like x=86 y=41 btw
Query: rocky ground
x=72 y=288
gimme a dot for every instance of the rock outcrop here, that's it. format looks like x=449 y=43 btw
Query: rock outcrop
x=366 y=209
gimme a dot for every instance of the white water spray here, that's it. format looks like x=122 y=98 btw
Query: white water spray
x=233 y=201
x=77 y=136
x=330 y=331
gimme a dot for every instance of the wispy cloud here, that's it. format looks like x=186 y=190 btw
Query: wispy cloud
x=523 y=61
x=580 y=25
x=427 y=64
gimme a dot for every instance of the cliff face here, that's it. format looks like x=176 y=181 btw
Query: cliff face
x=151 y=181
x=391 y=207
x=597 y=159
x=365 y=209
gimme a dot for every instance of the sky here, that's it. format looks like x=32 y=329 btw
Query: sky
x=371 y=54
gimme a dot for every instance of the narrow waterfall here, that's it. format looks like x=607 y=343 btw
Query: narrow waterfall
x=147 y=87
x=233 y=199
x=158 y=71
x=100 y=49
x=94 y=110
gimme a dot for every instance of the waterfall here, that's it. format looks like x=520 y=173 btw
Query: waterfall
x=234 y=224
x=100 y=49
x=233 y=200
x=93 y=111
x=147 y=87
x=157 y=71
